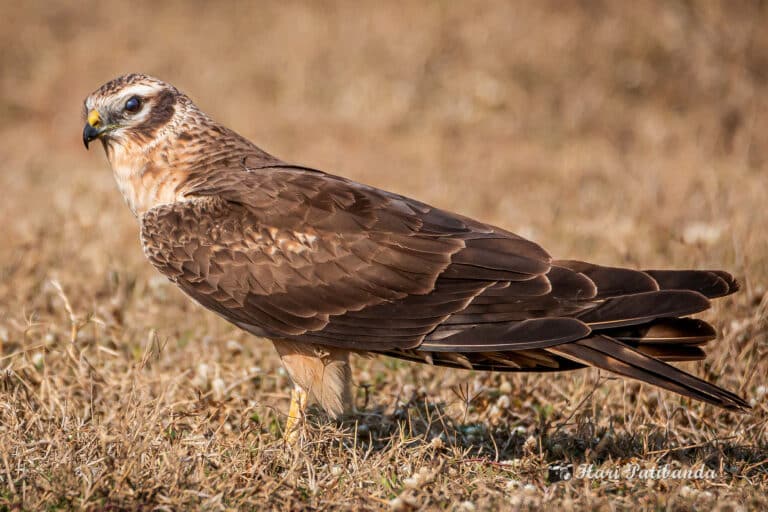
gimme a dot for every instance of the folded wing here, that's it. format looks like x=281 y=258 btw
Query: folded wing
x=291 y=253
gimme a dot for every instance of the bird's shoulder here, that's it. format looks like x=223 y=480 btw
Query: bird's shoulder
x=297 y=195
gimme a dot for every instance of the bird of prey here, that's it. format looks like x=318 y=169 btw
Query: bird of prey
x=324 y=266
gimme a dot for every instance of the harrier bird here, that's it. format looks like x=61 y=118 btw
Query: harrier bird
x=324 y=266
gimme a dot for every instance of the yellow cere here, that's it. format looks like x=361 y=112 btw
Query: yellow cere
x=93 y=118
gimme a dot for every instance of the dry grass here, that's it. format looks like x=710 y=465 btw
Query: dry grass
x=623 y=133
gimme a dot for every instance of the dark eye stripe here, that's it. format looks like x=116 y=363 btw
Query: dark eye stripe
x=133 y=104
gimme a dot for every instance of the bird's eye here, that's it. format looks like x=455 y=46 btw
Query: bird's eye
x=133 y=104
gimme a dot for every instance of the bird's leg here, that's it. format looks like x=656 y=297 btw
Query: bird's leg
x=295 y=415
x=320 y=374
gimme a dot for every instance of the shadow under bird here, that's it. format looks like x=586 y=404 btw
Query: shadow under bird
x=325 y=267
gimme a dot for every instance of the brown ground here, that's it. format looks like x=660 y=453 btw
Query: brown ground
x=624 y=133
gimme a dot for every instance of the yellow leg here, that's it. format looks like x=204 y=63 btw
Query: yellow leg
x=295 y=415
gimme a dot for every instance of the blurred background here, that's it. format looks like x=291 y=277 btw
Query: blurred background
x=588 y=125
x=626 y=133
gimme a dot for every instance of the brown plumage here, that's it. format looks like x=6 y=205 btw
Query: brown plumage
x=325 y=266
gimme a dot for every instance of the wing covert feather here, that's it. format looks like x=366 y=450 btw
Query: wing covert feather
x=303 y=255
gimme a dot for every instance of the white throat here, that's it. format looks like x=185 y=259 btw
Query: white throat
x=144 y=180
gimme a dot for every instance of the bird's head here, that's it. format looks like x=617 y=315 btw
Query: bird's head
x=156 y=139
x=141 y=122
x=132 y=109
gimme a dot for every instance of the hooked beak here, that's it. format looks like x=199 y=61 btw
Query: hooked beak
x=93 y=129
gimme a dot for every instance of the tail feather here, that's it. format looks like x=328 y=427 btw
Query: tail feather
x=643 y=307
x=674 y=331
x=617 y=281
x=612 y=281
x=711 y=284
x=672 y=353
x=628 y=322
x=614 y=356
